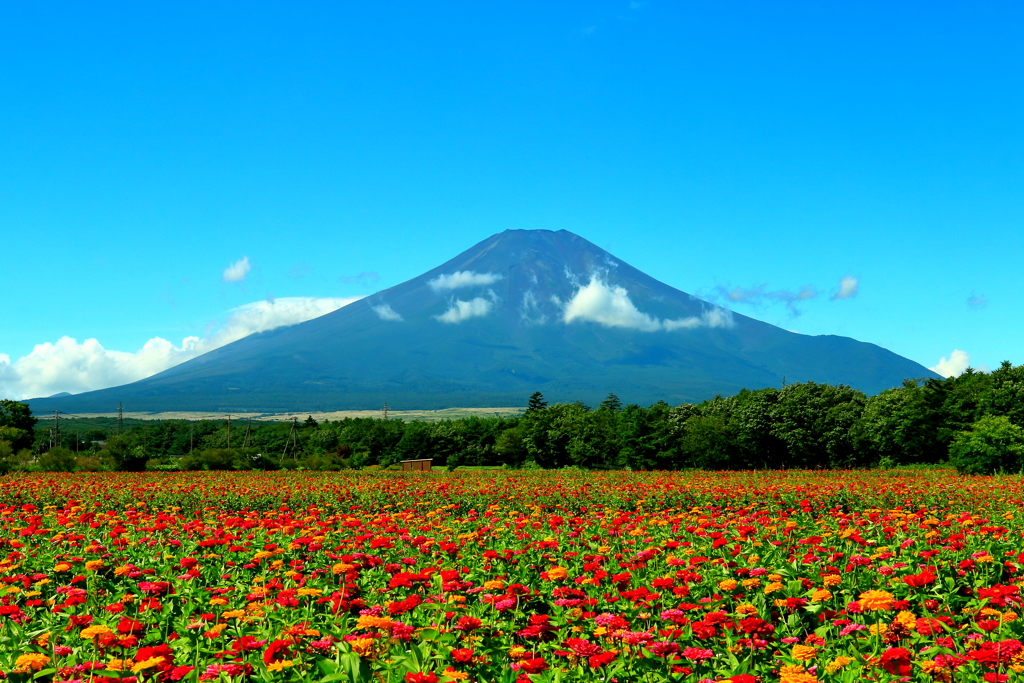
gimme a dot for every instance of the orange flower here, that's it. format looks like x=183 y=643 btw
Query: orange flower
x=804 y=653
x=370 y=621
x=96 y=631
x=876 y=600
x=32 y=661
x=558 y=573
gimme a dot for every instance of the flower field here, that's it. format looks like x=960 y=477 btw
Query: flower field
x=517 y=576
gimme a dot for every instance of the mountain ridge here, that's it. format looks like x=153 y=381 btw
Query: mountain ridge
x=521 y=311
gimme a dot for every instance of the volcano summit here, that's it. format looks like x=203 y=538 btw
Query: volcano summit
x=522 y=311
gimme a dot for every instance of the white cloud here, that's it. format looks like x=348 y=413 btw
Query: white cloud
x=847 y=288
x=463 y=310
x=463 y=278
x=237 y=271
x=716 y=317
x=385 y=312
x=953 y=366
x=529 y=311
x=610 y=305
x=67 y=365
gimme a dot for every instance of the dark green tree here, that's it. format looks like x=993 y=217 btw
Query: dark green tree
x=993 y=444
x=536 y=402
x=814 y=422
x=18 y=416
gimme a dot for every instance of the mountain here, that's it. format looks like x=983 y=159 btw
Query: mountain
x=522 y=311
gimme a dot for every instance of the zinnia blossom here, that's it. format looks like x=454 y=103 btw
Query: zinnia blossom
x=876 y=600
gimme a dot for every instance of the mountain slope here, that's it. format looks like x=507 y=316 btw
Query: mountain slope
x=522 y=311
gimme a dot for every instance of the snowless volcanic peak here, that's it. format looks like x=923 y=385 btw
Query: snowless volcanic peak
x=522 y=311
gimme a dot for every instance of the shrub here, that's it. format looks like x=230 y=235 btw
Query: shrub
x=57 y=459
x=993 y=444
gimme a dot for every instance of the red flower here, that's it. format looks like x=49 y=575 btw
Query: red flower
x=896 y=660
x=583 y=648
x=467 y=624
x=126 y=626
x=599 y=660
x=463 y=654
x=925 y=578
x=416 y=677
x=277 y=651
x=531 y=666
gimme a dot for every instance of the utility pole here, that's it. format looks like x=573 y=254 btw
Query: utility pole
x=384 y=413
x=295 y=437
x=120 y=417
x=245 y=440
x=56 y=428
x=229 y=431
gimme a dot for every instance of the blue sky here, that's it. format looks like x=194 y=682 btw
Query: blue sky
x=721 y=147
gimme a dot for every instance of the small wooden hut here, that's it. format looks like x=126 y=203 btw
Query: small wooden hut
x=417 y=465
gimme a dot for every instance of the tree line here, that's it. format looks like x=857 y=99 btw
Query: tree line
x=974 y=422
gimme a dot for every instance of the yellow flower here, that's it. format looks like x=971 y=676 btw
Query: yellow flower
x=772 y=587
x=308 y=591
x=234 y=614
x=804 y=653
x=147 y=664
x=518 y=652
x=62 y=567
x=119 y=664
x=837 y=664
x=122 y=570
x=821 y=595
x=361 y=646
x=32 y=661
x=794 y=673
x=1008 y=617
x=751 y=583
x=218 y=601
x=494 y=585
x=456 y=675
x=876 y=600
x=727 y=585
x=370 y=621
x=832 y=580
x=746 y=609
x=94 y=565
x=342 y=568
x=907 y=619
x=280 y=665
x=91 y=632
x=558 y=573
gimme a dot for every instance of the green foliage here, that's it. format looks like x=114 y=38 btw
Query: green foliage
x=805 y=425
x=18 y=418
x=993 y=444
x=57 y=459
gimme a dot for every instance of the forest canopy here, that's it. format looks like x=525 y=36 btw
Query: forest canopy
x=974 y=422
